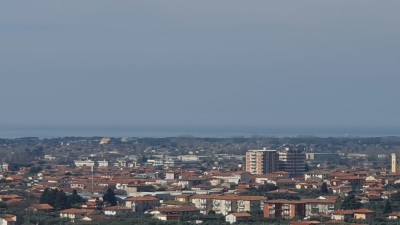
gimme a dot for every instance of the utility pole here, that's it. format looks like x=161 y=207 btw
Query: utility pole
x=92 y=179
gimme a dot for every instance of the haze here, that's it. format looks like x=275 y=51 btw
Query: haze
x=278 y=63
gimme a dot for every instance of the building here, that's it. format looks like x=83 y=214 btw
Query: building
x=84 y=163
x=105 y=140
x=225 y=204
x=74 y=214
x=282 y=208
x=41 y=208
x=261 y=161
x=321 y=205
x=141 y=204
x=102 y=163
x=292 y=161
x=8 y=219
x=237 y=217
x=395 y=163
x=116 y=210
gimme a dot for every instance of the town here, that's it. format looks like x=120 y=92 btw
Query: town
x=189 y=180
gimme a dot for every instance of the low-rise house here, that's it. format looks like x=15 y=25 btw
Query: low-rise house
x=342 y=215
x=141 y=204
x=237 y=217
x=394 y=216
x=7 y=197
x=74 y=214
x=363 y=214
x=8 y=219
x=41 y=208
x=134 y=188
x=183 y=197
x=116 y=210
x=189 y=182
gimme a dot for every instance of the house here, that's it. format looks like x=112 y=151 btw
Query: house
x=189 y=182
x=282 y=208
x=342 y=215
x=41 y=208
x=8 y=219
x=74 y=214
x=133 y=188
x=237 y=217
x=363 y=214
x=320 y=205
x=7 y=197
x=394 y=216
x=183 y=197
x=116 y=210
x=141 y=204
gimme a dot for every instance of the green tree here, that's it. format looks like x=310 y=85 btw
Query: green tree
x=109 y=197
x=324 y=188
x=350 y=202
x=74 y=198
x=44 y=197
x=387 y=208
x=61 y=201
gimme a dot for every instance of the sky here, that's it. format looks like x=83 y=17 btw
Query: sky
x=265 y=63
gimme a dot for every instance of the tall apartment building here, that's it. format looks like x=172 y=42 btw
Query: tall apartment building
x=261 y=161
x=268 y=161
x=292 y=161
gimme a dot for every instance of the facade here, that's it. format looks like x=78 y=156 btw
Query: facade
x=116 y=210
x=8 y=219
x=395 y=163
x=261 y=161
x=102 y=163
x=282 y=208
x=141 y=204
x=225 y=204
x=292 y=161
x=74 y=214
x=84 y=163
x=269 y=161
x=237 y=217
x=321 y=205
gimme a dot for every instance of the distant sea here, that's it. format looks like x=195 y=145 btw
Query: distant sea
x=52 y=131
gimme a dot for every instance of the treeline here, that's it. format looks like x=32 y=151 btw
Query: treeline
x=59 y=199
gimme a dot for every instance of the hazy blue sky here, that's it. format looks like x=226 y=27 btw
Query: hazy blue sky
x=200 y=62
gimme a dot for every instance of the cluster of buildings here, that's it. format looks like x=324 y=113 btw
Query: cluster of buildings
x=173 y=187
x=267 y=161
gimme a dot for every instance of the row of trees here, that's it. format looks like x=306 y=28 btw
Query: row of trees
x=59 y=200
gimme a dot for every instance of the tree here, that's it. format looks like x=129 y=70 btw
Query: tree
x=44 y=196
x=388 y=208
x=61 y=201
x=109 y=197
x=56 y=198
x=324 y=188
x=74 y=198
x=350 y=202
